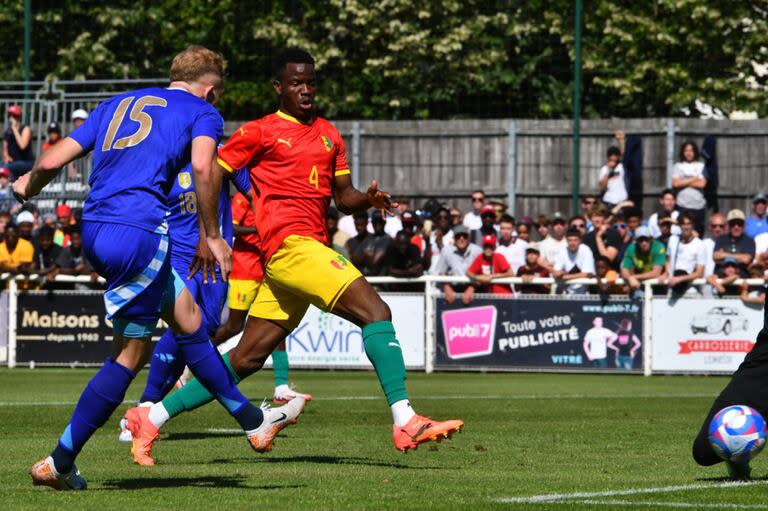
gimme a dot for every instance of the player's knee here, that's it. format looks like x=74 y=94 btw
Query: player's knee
x=188 y=323
x=379 y=311
x=248 y=362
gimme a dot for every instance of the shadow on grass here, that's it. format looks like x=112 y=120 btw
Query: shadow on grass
x=148 y=483
x=725 y=479
x=328 y=460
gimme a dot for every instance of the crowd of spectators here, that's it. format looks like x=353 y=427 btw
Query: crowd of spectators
x=611 y=239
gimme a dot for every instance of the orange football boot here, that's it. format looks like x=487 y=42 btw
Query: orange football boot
x=144 y=435
x=275 y=419
x=423 y=429
x=44 y=474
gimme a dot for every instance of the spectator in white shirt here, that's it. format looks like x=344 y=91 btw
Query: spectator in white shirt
x=575 y=261
x=717 y=227
x=551 y=246
x=472 y=220
x=761 y=249
x=441 y=235
x=686 y=258
x=667 y=201
x=510 y=245
x=611 y=177
x=455 y=260
x=689 y=181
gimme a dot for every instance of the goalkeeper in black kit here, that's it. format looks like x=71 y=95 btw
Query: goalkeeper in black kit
x=748 y=386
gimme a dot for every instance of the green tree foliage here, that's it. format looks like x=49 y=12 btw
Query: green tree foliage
x=392 y=59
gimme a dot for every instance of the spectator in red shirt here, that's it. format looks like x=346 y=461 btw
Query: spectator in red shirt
x=532 y=269
x=488 y=266
x=54 y=136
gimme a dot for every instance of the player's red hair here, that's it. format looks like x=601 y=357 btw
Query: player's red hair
x=196 y=61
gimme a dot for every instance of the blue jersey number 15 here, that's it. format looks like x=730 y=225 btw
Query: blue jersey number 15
x=137 y=115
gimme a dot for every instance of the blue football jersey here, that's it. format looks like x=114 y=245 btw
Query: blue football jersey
x=140 y=140
x=183 y=227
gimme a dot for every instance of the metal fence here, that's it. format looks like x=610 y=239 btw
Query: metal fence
x=527 y=163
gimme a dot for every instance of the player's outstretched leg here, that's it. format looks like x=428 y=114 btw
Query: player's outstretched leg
x=362 y=305
x=283 y=391
x=747 y=387
x=211 y=373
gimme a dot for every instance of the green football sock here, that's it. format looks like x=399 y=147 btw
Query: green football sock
x=193 y=394
x=280 y=367
x=384 y=352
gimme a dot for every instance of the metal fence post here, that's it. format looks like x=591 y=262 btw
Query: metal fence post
x=670 y=150
x=512 y=167
x=356 y=154
x=647 y=327
x=430 y=296
x=13 y=294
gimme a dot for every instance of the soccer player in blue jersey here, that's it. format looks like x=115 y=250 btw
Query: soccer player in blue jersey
x=207 y=287
x=140 y=140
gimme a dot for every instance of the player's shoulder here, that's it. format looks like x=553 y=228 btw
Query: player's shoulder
x=326 y=125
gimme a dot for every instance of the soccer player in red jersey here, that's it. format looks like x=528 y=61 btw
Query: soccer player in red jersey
x=298 y=164
x=244 y=281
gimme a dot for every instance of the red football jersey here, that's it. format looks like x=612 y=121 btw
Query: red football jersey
x=497 y=264
x=246 y=254
x=292 y=167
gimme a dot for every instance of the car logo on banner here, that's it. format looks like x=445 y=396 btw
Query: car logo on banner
x=469 y=332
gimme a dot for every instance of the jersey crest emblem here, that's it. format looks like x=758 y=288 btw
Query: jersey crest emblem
x=327 y=143
x=339 y=263
x=185 y=180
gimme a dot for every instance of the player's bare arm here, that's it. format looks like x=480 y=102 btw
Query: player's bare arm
x=46 y=168
x=208 y=176
x=349 y=200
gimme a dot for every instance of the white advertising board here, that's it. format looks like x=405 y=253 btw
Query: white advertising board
x=326 y=340
x=703 y=335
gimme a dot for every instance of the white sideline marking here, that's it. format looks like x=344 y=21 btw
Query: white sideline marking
x=645 y=503
x=429 y=398
x=571 y=497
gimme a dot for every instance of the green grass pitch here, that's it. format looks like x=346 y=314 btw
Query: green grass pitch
x=594 y=442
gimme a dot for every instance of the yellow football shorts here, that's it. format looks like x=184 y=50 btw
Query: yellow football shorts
x=301 y=272
x=242 y=293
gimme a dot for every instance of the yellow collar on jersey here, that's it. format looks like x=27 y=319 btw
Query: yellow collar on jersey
x=290 y=118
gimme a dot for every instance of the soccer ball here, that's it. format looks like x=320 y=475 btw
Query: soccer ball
x=737 y=433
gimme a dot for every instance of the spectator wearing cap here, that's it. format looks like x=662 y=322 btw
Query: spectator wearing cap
x=531 y=270
x=553 y=244
x=735 y=247
x=602 y=240
x=686 y=258
x=16 y=253
x=54 y=136
x=611 y=177
x=575 y=261
x=644 y=259
x=666 y=226
x=757 y=223
x=6 y=192
x=64 y=220
x=689 y=181
x=487 y=228
x=667 y=204
x=455 y=260
x=472 y=220
x=26 y=223
x=729 y=271
x=625 y=224
x=541 y=227
x=403 y=260
x=373 y=248
x=337 y=238
x=78 y=118
x=413 y=226
x=441 y=235
x=510 y=245
x=46 y=252
x=17 y=144
x=355 y=243
x=486 y=267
